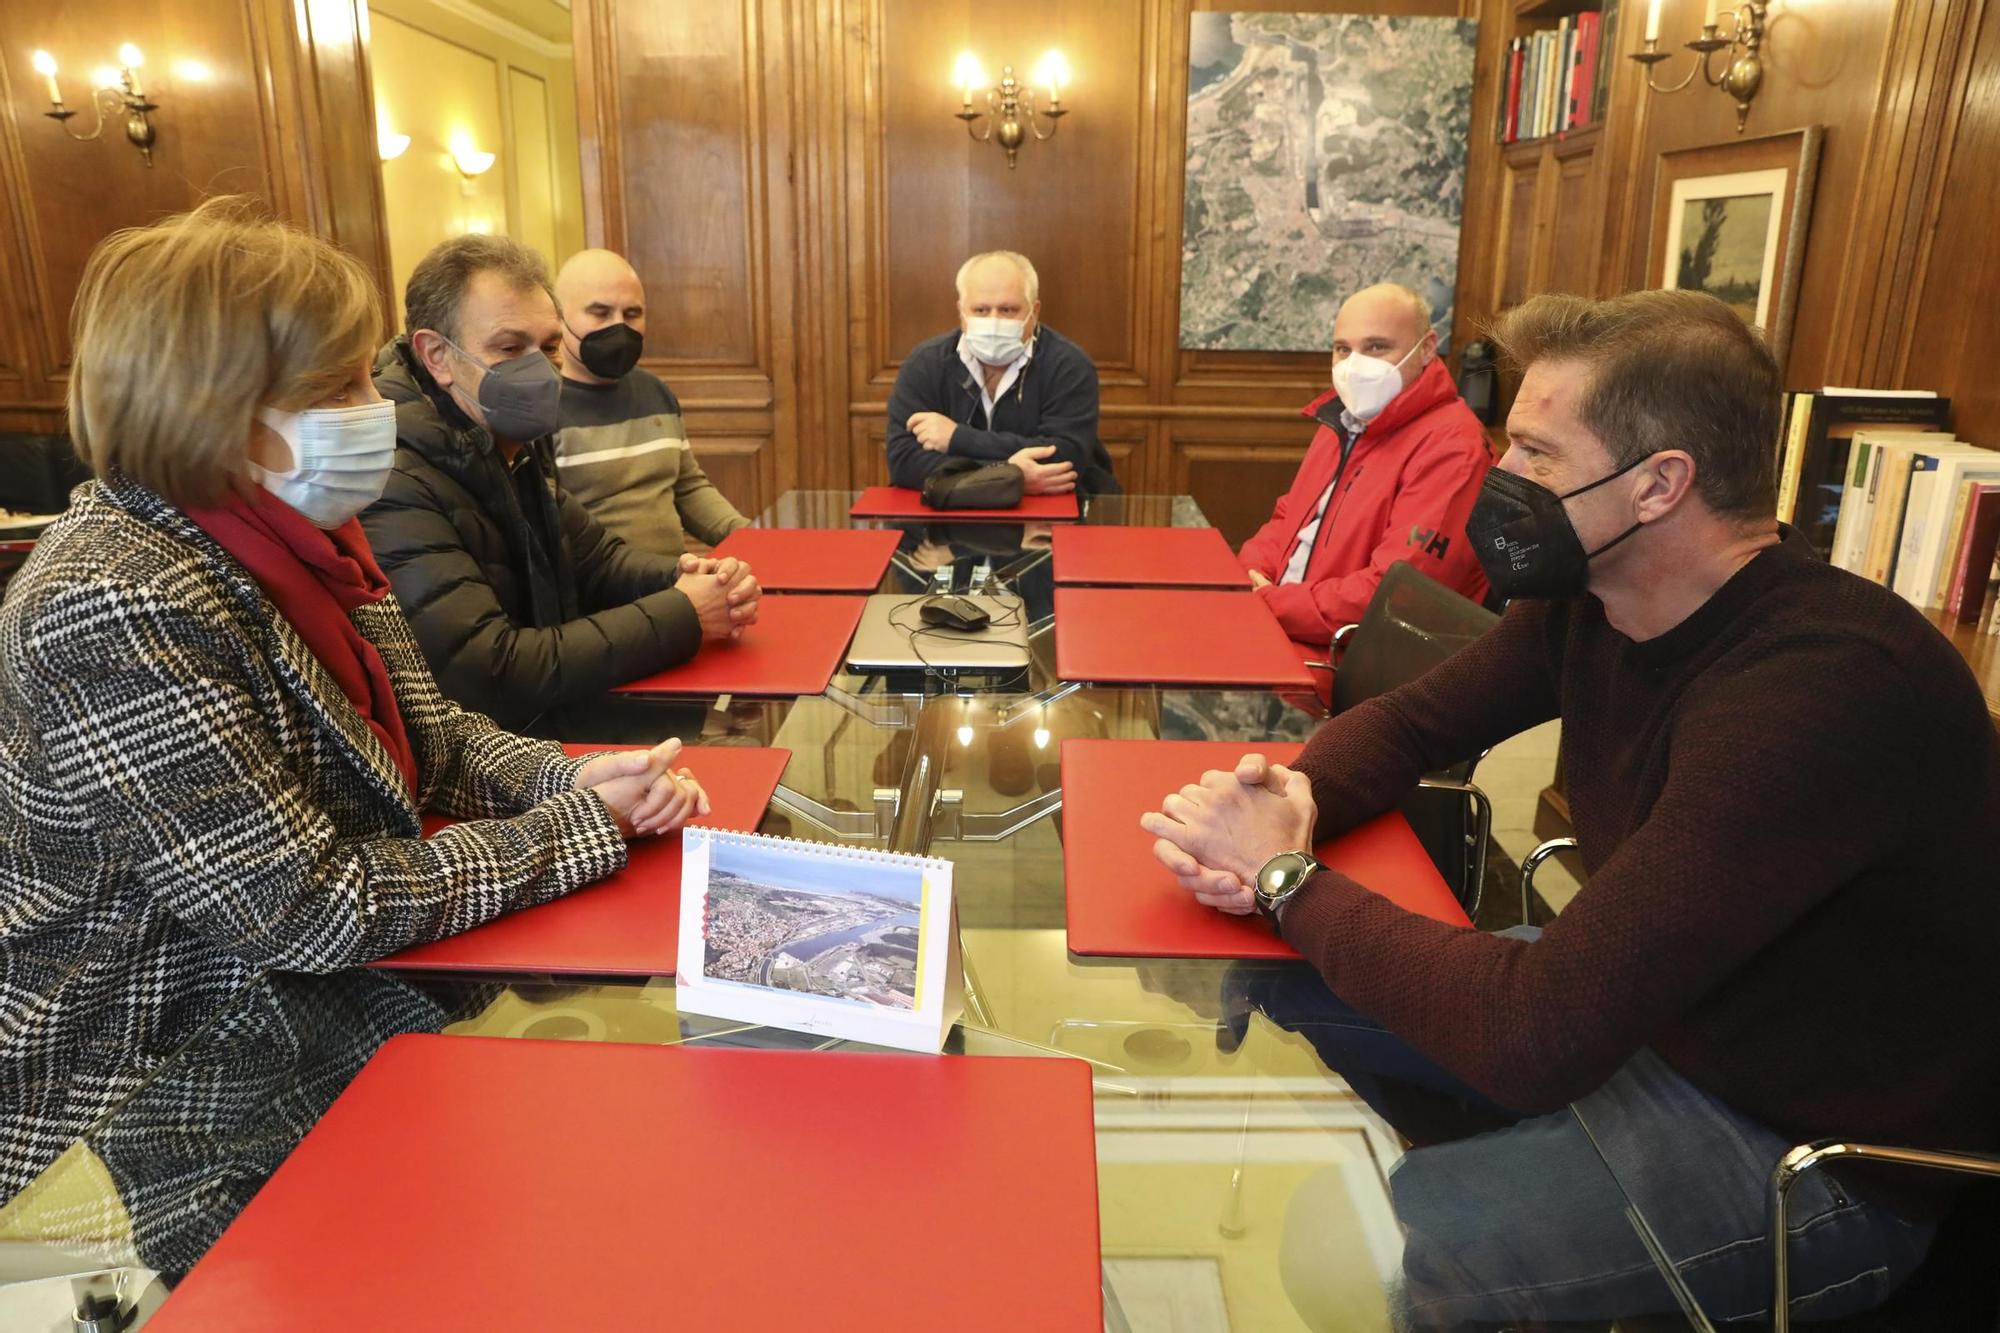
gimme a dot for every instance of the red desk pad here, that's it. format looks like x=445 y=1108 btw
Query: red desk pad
x=896 y=502
x=1146 y=557
x=629 y=924
x=1173 y=636
x=813 y=560
x=519 y=1185
x=794 y=648
x=1122 y=903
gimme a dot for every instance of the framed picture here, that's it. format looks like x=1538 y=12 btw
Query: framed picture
x=1730 y=219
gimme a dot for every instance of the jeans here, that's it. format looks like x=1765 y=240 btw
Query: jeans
x=1509 y=1217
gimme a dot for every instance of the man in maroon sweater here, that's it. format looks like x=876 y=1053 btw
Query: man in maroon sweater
x=1786 y=788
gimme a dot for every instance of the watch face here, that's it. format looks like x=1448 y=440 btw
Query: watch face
x=1282 y=874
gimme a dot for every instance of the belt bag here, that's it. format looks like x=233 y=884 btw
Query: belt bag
x=963 y=483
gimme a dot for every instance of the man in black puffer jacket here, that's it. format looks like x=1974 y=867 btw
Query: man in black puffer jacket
x=521 y=600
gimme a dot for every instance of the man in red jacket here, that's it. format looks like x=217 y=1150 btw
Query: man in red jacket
x=1391 y=474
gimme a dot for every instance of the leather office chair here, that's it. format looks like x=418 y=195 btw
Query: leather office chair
x=1411 y=625
x=1795 y=1165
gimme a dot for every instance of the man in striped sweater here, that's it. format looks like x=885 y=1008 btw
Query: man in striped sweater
x=621 y=447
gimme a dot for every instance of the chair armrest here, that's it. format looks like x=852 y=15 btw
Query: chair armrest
x=1530 y=865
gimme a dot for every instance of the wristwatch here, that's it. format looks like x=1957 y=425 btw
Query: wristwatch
x=1282 y=876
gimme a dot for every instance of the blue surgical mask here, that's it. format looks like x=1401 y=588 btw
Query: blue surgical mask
x=341 y=459
x=995 y=342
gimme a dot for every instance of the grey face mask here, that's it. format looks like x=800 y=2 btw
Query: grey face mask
x=518 y=396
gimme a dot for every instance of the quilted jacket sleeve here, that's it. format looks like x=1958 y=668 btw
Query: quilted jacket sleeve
x=151 y=719
x=481 y=656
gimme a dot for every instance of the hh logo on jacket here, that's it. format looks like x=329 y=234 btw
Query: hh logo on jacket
x=1434 y=543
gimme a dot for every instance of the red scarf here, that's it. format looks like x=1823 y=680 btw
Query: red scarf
x=315 y=577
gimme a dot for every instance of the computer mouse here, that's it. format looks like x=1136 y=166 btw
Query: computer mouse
x=952 y=612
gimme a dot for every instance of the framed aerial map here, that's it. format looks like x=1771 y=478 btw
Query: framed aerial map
x=1325 y=152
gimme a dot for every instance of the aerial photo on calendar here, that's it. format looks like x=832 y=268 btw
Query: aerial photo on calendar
x=817 y=924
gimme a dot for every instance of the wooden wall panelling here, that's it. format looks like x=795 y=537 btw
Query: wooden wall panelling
x=1951 y=340
x=342 y=176
x=687 y=149
x=1072 y=203
x=1909 y=149
x=1824 y=64
x=822 y=100
x=1236 y=468
x=1575 y=218
x=281 y=114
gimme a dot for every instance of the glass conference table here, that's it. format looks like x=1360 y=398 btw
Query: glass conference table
x=1243 y=1184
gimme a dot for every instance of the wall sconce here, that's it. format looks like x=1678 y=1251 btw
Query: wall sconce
x=116 y=90
x=1010 y=113
x=469 y=160
x=390 y=145
x=1745 y=70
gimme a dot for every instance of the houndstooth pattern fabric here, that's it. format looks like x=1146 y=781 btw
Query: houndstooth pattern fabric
x=187 y=799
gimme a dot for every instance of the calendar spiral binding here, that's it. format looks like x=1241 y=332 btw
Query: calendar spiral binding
x=834 y=850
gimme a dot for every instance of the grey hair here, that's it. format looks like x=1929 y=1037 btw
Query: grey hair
x=1019 y=261
x=437 y=286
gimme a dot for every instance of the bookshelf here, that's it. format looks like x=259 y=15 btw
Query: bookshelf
x=1556 y=18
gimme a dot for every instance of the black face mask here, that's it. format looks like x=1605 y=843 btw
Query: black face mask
x=610 y=352
x=1524 y=540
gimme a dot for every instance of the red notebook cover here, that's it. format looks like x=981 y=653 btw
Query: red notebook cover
x=811 y=559
x=1122 y=903
x=520 y=1186
x=794 y=648
x=628 y=924
x=1172 y=636
x=897 y=502
x=1146 y=557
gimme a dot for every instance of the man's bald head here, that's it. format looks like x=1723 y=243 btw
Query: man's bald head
x=1386 y=320
x=596 y=288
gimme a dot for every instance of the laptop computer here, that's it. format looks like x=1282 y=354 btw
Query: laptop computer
x=892 y=636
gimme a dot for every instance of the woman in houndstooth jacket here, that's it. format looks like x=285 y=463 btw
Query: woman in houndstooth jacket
x=218 y=737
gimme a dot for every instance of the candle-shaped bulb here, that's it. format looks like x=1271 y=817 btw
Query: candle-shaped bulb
x=967 y=75
x=1652 y=20
x=45 y=65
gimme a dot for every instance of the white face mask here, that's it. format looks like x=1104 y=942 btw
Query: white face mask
x=341 y=459
x=997 y=342
x=1367 y=384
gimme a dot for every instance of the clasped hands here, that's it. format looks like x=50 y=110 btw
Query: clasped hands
x=1216 y=834
x=642 y=789
x=934 y=431
x=724 y=593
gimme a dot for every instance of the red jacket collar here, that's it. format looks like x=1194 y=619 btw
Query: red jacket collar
x=1430 y=389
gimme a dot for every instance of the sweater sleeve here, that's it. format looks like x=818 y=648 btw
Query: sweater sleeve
x=705 y=511
x=910 y=464
x=1426 y=522
x=203 y=800
x=1363 y=761
x=1770 y=806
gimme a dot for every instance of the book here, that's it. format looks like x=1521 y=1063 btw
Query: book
x=1583 y=81
x=1517 y=54
x=1977 y=551
x=1935 y=472
x=1607 y=47
x=1858 y=510
x=1954 y=536
x=1820 y=469
x=1791 y=453
x=838 y=941
x=1565 y=54
x=1853 y=501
